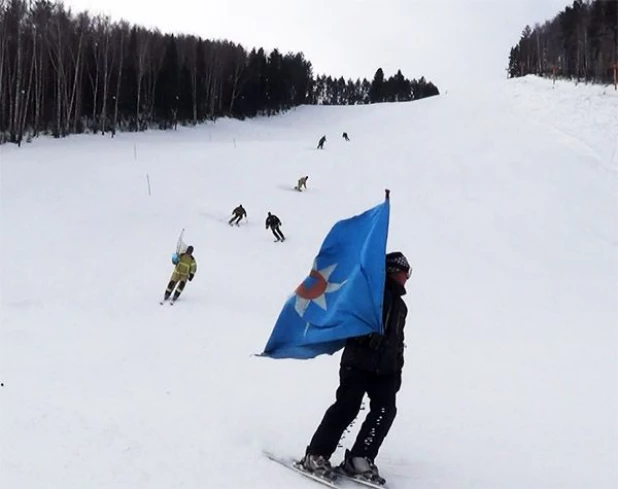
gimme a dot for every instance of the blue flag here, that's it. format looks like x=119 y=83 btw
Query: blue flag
x=343 y=293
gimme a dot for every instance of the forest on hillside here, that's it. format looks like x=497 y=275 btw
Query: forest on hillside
x=64 y=73
x=580 y=43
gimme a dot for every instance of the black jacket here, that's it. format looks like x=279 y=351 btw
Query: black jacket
x=272 y=221
x=381 y=354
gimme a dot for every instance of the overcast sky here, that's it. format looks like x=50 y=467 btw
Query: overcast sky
x=447 y=41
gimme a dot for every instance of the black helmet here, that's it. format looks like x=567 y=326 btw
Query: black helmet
x=189 y=249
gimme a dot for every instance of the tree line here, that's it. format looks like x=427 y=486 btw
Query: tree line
x=63 y=73
x=397 y=88
x=580 y=43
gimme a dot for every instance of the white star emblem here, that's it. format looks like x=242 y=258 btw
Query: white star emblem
x=318 y=290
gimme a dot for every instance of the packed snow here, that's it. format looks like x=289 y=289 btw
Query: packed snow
x=504 y=201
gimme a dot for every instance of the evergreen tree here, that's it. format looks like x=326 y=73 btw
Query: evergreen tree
x=376 y=92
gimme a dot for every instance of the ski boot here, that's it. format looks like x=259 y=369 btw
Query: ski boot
x=361 y=468
x=318 y=465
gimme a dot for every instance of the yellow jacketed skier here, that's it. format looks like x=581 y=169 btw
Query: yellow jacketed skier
x=186 y=268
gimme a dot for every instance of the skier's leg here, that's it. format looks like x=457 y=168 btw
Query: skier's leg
x=280 y=234
x=169 y=289
x=274 y=231
x=180 y=288
x=382 y=392
x=352 y=384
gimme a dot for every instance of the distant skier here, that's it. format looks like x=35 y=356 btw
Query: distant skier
x=273 y=223
x=302 y=182
x=186 y=268
x=237 y=215
x=321 y=142
x=345 y=136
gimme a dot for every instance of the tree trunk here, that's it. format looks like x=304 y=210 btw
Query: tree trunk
x=3 y=50
x=38 y=90
x=236 y=78
x=142 y=51
x=27 y=98
x=15 y=123
x=75 y=92
x=55 y=48
x=105 y=81
x=194 y=92
x=118 y=80
x=95 y=83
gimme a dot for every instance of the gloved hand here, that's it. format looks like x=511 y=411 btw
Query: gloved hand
x=191 y=277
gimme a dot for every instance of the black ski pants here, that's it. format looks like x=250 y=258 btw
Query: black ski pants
x=277 y=232
x=235 y=219
x=353 y=384
x=179 y=289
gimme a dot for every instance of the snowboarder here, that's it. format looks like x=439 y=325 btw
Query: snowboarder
x=186 y=268
x=302 y=182
x=321 y=142
x=370 y=364
x=237 y=215
x=273 y=223
x=345 y=136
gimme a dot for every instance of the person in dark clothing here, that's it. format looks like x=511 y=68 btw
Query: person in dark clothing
x=370 y=364
x=345 y=136
x=238 y=214
x=321 y=142
x=273 y=223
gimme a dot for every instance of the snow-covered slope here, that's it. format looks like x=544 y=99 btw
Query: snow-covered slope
x=504 y=201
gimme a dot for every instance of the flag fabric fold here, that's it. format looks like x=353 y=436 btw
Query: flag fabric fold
x=342 y=295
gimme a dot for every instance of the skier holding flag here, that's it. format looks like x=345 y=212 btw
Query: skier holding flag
x=185 y=268
x=352 y=299
x=370 y=364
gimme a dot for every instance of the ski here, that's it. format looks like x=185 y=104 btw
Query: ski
x=359 y=480
x=298 y=468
